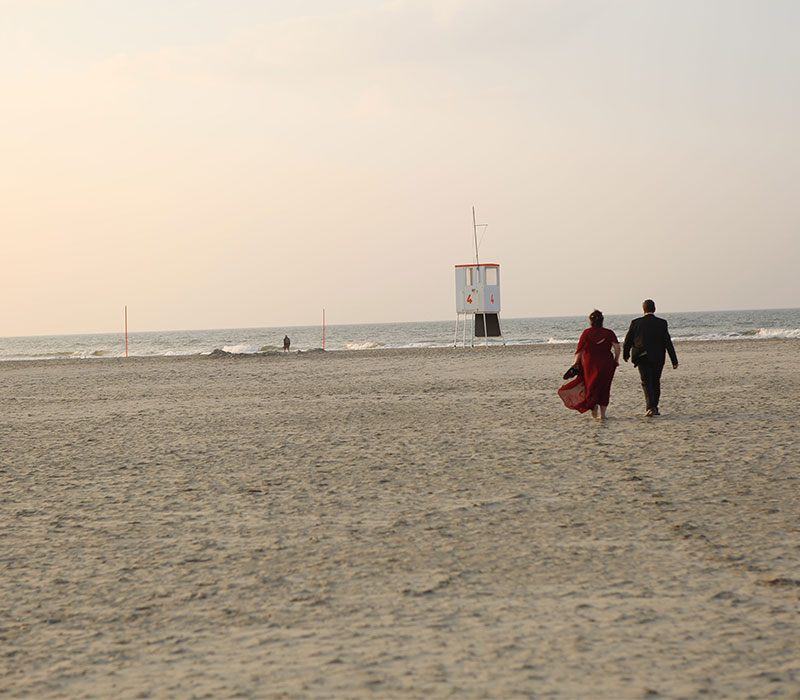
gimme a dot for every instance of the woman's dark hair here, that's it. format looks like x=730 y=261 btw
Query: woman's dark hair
x=596 y=319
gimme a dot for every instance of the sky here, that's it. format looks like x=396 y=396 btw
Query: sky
x=247 y=163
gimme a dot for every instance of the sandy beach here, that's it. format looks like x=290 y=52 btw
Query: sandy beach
x=399 y=524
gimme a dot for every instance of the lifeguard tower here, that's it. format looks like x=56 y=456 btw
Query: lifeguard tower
x=478 y=297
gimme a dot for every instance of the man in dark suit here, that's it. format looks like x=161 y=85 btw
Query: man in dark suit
x=646 y=343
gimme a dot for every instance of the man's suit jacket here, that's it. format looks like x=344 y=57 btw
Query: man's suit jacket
x=648 y=336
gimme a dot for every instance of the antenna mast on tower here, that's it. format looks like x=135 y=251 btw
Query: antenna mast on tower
x=475 y=234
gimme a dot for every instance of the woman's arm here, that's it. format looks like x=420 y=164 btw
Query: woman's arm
x=615 y=348
x=581 y=345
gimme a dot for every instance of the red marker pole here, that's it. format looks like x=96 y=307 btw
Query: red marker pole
x=126 y=330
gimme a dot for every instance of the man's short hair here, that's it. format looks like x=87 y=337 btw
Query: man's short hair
x=649 y=306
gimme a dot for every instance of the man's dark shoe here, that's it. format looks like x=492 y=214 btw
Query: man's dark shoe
x=656 y=412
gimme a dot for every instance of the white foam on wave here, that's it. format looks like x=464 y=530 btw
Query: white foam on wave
x=362 y=346
x=778 y=333
x=240 y=349
x=92 y=354
x=756 y=334
x=708 y=336
x=426 y=344
x=559 y=341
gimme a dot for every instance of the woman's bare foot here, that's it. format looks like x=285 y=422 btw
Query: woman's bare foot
x=603 y=412
x=594 y=411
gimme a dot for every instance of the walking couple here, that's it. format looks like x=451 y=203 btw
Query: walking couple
x=597 y=358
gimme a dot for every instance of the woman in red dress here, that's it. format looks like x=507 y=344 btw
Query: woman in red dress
x=598 y=353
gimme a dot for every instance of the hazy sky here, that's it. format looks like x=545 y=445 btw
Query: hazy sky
x=229 y=163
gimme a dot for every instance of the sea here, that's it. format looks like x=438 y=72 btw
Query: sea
x=697 y=326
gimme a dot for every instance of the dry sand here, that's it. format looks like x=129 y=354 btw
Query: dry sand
x=399 y=524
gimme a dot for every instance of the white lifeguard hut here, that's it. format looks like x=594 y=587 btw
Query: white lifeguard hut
x=478 y=298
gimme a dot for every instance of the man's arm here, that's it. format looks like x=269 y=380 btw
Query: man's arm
x=670 y=347
x=627 y=343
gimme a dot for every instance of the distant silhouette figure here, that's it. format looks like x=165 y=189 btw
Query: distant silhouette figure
x=286 y=343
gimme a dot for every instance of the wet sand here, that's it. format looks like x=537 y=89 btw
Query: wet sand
x=399 y=524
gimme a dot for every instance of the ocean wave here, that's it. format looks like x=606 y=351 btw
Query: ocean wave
x=363 y=346
x=90 y=354
x=242 y=349
x=65 y=355
x=560 y=341
x=176 y=353
x=751 y=334
x=426 y=344
x=778 y=333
